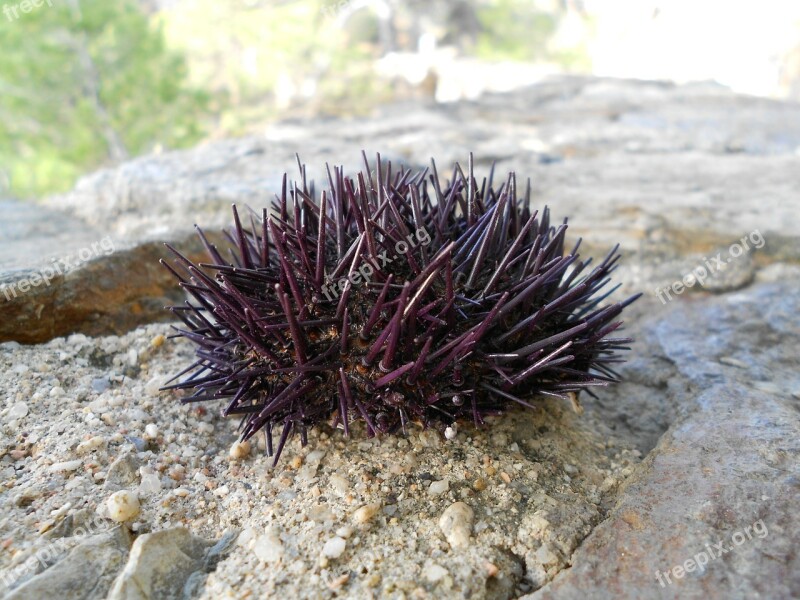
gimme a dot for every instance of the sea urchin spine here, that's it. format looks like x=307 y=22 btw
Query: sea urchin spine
x=393 y=299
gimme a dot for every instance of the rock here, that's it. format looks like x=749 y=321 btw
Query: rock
x=268 y=547
x=85 y=573
x=151 y=431
x=17 y=411
x=366 y=513
x=339 y=483
x=82 y=279
x=122 y=506
x=123 y=472
x=150 y=484
x=456 y=524
x=334 y=547
x=721 y=474
x=239 y=450
x=434 y=573
x=68 y=465
x=438 y=488
x=159 y=565
x=100 y=384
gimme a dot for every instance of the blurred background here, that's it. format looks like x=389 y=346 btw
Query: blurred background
x=90 y=83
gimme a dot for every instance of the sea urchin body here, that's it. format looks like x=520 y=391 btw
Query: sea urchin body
x=393 y=298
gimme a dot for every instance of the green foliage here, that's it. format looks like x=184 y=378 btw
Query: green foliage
x=514 y=30
x=85 y=82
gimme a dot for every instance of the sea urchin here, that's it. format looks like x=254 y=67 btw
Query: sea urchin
x=394 y=299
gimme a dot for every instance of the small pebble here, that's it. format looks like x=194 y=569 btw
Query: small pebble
x=100 y=384
x=733 y=362
x=268 y=547
x=439 y=487
x=339 y=483
x=366 y=513
x=122 y=506
x=334 y=547
x=89 y=445
x=456 y=524
x=151 y=431
x=69 y=465
x=433 y=573
x=239 y=450
x=17 y=411
x=46 y=526
x=450 y=433
x=344 y=532
x=150 y=485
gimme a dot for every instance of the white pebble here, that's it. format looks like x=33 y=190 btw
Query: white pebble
x=366 y=513
x=344 y=532
x=315 y=457
x=150 y=484
x=239 y=450
x=450 y=433
x=334 y=547
x=69 y=465
x=456 y=524
x=268 y=547
x=439 y=487
x=151 y=431
x=339 y=483
x=122 y=506
x=17 y=411
x=87 y=446
x=433 y=573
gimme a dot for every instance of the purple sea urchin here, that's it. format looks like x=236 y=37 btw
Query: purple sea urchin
x=394 y=299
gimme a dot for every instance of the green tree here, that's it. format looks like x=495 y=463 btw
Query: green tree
x=85 y=83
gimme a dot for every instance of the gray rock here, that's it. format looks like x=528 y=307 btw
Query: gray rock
x=107 y=294
x=722 y=473
x=161 y=564
x=85 y=573
x=123 y=472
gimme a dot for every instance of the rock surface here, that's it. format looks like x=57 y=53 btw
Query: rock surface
x=159 y=566
x=697 y=447
x=729 y=457
x=674 y=173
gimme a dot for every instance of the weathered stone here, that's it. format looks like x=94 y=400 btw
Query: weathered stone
x=86 y=572
x=123 y=472
x=159 y=565
x=722 y=473
x=109 y=294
